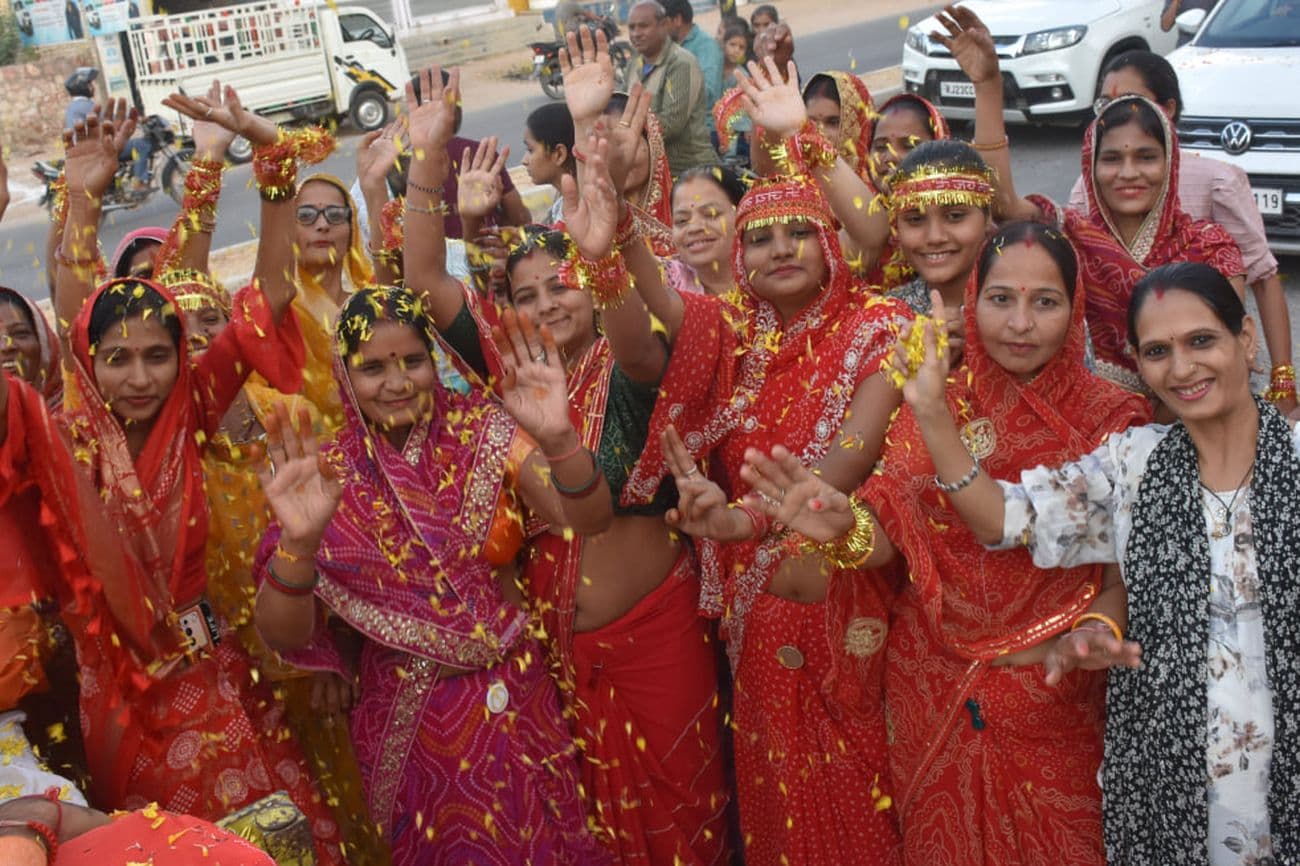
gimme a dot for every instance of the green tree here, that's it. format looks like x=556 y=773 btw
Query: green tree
x=11 y=45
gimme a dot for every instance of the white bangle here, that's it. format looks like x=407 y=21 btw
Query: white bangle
x=960 y=484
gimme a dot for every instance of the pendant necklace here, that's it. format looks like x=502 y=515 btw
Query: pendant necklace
x=1223 y=524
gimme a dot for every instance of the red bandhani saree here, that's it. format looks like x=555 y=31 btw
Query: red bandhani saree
x=641 y=691
x=1111 y=269
x=654 y=212
x=809 y=726
x=186 y=729
x=989 y=764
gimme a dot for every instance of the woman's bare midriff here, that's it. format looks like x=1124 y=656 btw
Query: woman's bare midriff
x=800 y=578
x=621 y=566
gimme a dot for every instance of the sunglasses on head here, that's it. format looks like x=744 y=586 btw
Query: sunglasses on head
x=335 y=214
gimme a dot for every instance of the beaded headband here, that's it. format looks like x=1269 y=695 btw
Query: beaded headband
x=938 y=186
x=194 y=290
x=782 y=201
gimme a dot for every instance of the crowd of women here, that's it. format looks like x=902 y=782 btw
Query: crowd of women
x=816 y=516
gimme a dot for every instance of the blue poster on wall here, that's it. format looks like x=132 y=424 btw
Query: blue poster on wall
x=47 y=22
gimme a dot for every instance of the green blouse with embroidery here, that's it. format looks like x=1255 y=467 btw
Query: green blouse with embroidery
x=627 y=419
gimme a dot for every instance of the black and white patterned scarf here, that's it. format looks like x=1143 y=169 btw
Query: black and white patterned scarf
x=1155 y=777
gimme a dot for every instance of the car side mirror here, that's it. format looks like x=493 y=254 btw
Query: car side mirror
x=1190 y=21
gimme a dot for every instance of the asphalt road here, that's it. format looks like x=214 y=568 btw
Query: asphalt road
x=1045 y=159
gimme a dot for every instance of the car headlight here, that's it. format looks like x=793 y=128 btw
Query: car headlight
x=916 y=41
x=1052 y=40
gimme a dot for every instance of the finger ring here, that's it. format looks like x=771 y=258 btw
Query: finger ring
x=769 y=500
x=208 y=113
x=624 y=123
x=540 y=357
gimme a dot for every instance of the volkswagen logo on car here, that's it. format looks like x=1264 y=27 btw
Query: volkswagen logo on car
x=1236 y=137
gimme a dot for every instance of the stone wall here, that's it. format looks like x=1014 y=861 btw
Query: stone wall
x=32 y=98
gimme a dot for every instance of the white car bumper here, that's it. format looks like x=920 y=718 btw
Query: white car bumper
x=1036 y=87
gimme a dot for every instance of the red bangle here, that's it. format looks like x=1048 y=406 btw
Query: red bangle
x=758 y=518
x=291 y=589
x=566 y=455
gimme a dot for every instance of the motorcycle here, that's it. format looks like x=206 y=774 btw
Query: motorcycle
x=546 y=57
x=168 y=165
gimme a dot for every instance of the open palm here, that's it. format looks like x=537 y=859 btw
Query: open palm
x=431 y=117
x=91 y=155
x=479 y=190
x=970 y=42
x=591 y=211
x=222 y=107
x=300 y=494
x=771 y=103
x=534 y=388
x=789 y=492
x=588 y=74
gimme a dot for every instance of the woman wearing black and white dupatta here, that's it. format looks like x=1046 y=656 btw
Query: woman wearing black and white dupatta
x=1203 y=517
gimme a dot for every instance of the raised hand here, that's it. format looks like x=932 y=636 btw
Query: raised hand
x=588 y=74
x=224 y=109
x=91 y=155
x=771 y=103
x=378 y=153
x=124 y=121
x=479 y=188
x=776 y=42
x=431 y=118
x=626 y=135
x=970 y=43
x=591 y=208
x=701 y=505
x=926 y=384
x=787 y=491
x=302 y=494
x=211 y=139
x=534 y=388
x=1090 y=649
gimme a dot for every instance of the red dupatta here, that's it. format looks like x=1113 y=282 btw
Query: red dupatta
x=49 y=378
x=654 y=212
x=740 y=379
x=987 y=603
x=857 y=118
x=1110 y=268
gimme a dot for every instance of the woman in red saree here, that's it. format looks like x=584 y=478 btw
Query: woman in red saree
x=1130 y=164
x=169 y=711
x=782 y=360
x=989 y=763
x=411 y=541
x=648 y=723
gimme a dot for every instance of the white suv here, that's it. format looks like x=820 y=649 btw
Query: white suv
x=1239 y=104
x=1051 y=52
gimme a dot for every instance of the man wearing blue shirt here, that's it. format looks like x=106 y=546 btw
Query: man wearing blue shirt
x=686 y=33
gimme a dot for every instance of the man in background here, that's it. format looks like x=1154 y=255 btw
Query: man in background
x=673 y=77
x=708 y=53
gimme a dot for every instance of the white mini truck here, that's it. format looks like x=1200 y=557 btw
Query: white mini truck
x=289 y=61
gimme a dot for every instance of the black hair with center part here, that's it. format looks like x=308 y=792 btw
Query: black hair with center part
x=1121 y=113
x=128 y=299
x=821 y=85
x=721 y=176
x=908 y=103
x=1156 y=73
x=1031 y=232
x=766 y=9
x=536 y=238
x=1201 y=280
x=367 y=307
x=552 y=126
x=11 y=298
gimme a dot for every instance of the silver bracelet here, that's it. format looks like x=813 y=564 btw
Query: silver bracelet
x=961 y=483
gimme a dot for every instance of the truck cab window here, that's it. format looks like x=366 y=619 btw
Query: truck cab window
x=363 y=28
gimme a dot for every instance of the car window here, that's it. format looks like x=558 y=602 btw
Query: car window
x=1253 y=24
x=363 y=28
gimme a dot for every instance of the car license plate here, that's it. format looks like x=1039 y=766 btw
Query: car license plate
x=959 y=89
x=1269 y=201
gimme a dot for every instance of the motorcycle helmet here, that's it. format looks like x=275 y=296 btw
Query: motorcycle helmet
x=81 y=82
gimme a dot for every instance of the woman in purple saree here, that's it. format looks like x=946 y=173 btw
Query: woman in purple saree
x=404 y=532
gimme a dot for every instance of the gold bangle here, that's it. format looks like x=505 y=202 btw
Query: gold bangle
x=854 y=547
x=291 y=557
x=997 y=145
x=1093 y=616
